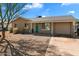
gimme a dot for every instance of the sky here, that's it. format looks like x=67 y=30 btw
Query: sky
x=32 y=10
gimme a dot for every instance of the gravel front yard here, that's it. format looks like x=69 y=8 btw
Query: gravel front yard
x=44 y=45
x=31 y=44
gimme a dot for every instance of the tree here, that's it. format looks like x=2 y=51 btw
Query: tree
x=8 y=12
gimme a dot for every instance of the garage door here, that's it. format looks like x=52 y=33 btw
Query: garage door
x=62 y=28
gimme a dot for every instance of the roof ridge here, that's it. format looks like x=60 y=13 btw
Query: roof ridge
x=54 y=16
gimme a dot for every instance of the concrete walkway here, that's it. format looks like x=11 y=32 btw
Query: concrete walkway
x=63 y=46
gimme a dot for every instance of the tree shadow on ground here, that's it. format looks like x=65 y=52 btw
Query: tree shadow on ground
x=32 y=47
x=39 y=48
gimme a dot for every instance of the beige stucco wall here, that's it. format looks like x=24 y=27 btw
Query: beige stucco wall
x=20 y=24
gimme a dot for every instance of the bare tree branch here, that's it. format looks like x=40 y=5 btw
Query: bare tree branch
x=11 y=11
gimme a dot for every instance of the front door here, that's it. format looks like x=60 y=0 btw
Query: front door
x=37 y=28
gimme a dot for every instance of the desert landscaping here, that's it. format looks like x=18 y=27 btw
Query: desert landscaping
x=36 y=45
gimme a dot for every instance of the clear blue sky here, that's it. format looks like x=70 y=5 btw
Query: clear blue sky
x=50 y=9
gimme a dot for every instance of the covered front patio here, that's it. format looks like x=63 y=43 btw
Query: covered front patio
x=54 y=28
x=42 y=28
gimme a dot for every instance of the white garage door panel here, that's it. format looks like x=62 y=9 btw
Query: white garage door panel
x=62 y=28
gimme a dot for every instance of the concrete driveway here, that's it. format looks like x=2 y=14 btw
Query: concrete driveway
x=63 y=46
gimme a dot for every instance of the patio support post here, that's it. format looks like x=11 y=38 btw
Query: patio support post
x=31 y=27
x=34 y=29
x=51 y=28
x=74 y=29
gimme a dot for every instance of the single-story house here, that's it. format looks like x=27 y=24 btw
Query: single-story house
x=53 y=25
x=22 y=25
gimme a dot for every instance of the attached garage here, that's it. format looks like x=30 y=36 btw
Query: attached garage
x=63 y=28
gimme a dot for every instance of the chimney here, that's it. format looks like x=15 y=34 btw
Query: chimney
x=38 y=16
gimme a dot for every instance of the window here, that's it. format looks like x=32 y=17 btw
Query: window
x=25 y=25
x=14 y=25
x=43 y=25
x=46 y=26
